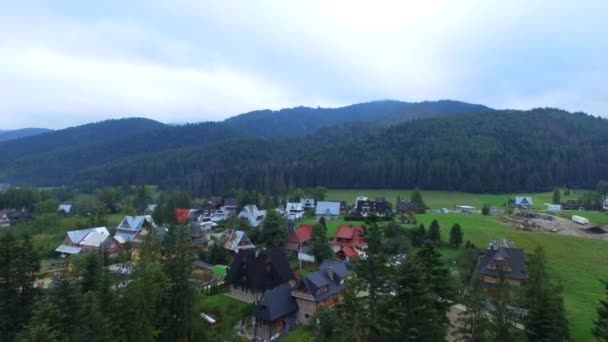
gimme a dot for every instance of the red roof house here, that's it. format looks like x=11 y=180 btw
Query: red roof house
x=302 y=235
x=348 y=241
x=181 y=215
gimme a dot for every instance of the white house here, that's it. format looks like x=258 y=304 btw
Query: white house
x=295 y=211
x=524 y=202
x=307 y=202
x=327 y=210
x=64 y=209
x=605 y=203
x=253 y=214
x=129 y=228
x=220 y=215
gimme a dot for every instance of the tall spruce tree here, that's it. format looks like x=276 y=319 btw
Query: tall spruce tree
x=503 y=318
x=473 y=324
x=417 y=198
x=319 y=244
x=456 y=235
x=600 y=328
x=557 y=196
x=274 y=230
x=436 y=276
x=435 y=232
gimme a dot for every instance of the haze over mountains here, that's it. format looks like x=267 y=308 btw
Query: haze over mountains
x=436 y=145
x=21 y=133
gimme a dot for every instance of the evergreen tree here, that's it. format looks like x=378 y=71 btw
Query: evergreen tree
x=274 y=230
x=319 y=245
x=435 y=232
x=456 y=235
x=503 y=319
x=417 y=198
x=474 y=325
x=436 y=275
x=600 y=329
x=419 y=236
x=42 y=327
x=557 y=198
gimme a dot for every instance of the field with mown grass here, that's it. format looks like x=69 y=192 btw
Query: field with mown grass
x=447 y=199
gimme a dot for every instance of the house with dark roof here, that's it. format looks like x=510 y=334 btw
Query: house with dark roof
x=308 y=202
x=327 y=210
x=501 y=258
x=252 y=273
x=348 y=242
x=377 y=207
x=275 y=314
x=523 y=202
x=4 y=220
x=404 y=205
x=320 y=288
x=231 y=204
x=297 y=243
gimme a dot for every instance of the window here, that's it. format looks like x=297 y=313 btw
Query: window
x=307 y=316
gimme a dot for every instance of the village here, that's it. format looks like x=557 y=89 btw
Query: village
x=287 y=284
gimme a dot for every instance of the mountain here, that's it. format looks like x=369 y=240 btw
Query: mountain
x=21 y=133
x=496 y=151
x=69 y=151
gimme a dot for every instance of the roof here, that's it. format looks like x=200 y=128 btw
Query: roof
x=134 y=223
x=513 y=257
x=65 y=249
x=77 y=236
x=325 y=208
x=349 y=236
x=94 y=239
x=181 y=215
x=231 y=202
x=345 y=232
x=264 y=271
x=327 y=281
x=276 y=304
x=65 y=208
x=302 y=234
x=294 y=206
x=525 y=200
x=349 y=251
x=235 y=240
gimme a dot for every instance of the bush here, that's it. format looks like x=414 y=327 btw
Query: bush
x=485 y=210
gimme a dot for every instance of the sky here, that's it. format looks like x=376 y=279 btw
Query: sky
x=69 y=62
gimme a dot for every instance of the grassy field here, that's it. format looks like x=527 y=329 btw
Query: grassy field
x=446 y=199
x=226 y=310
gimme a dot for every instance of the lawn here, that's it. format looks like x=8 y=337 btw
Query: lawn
x=228 y=312
x=577 y=263
x=447 y=199
x=300 y=334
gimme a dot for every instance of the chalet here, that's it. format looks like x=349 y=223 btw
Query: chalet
x=523 y=202
x=404 y=205
x=572 y=205
x=308 y=203
x=349 y=242
x=502 y=257
x=129 y=228
x=4 y=220
x=201 y=218
x=220 y=215
x=253 y=214
x=276 y=313
x=64 y=209
x=235 y=241
x=378 y=207
x=295 y=211
x=327 y=210
x=252 y=273
x=320 y=288
x=297 y=243
x=16 y=216
x=87 y=241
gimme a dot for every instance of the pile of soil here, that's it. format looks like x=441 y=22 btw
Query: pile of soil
x=595 y=230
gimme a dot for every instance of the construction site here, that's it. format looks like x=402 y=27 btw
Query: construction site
x=541 y=221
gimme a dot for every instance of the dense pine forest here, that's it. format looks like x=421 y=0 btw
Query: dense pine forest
x=441 y=145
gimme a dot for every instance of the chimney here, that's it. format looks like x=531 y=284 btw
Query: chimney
x=330 y=273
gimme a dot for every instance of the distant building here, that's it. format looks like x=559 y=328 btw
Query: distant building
x=275 y=313
x=64 y=209
x=378 y=207
x=327 y=210
x=404 y=205
x=235 y=241
x=523 y=202
x=349 y=242
x=129 y=228
x=307 y=202
x=605 y=202
x=294 y=211
x=89 y=240
x=253 y=214
x=297 y=243
x=572 y=205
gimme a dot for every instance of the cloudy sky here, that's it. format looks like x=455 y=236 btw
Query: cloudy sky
x=64 y=63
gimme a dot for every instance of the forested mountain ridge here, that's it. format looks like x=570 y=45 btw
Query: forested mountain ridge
x=497 y=151
x=68 y=152
x=21 y=133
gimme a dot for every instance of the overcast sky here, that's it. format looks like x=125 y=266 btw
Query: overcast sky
x=64 y=63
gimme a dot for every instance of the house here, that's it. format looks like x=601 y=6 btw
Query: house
x=553 y=207
x=523 y=202
x=360 y=199
x=297 y=243
x=295 y=211
x=307 y=202
x=404 y=205
x=605 y=202
x=572 y=205
x=253 y=214
x=231 y=204
x=220 y=215
x=349 y=242
x=252 y=273
x=343 y=208
x=151 y=207
x=235 y=240
x=182 y=215
x=275 y=314
x=4 y=220
x=129 y=228
x=16 y=216
x=320 y=288
x=201 y=218
x=64 y=209
x=327 y=210
x=89 y=240
x=501 y=257
x=378 y=207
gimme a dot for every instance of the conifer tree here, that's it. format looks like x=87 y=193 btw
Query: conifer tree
x=456 y=235
x=417 y=198
x=474 y=325
x=274 y=230
x=319 y=245
x=600 y=329
x=435 y=232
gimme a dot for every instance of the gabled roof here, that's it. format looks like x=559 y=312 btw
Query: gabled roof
x=341 y=268
x=134 y=223
x=235 y=240
x=523 y=200
x=327 y=281
x=78 y=236
x=297 y=206
x=328 y=208
x=181 y=215
x=349 y=236
x=513 y=257
x=264 y=271
x=65 y=249
x=302 y=234
x=231 y=202
x=67 y=208
x=345 y=232
x=276 y=304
